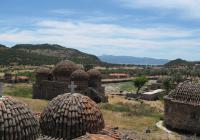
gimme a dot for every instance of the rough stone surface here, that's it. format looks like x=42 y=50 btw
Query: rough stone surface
x=17 y=122
x=79 y=75
x=182 y=108
x=71 y=115
x=63 y=70
x=186 y=92
x=94 y=73
x=43 y=71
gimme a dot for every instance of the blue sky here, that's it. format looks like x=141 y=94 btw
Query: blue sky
x=143 y=28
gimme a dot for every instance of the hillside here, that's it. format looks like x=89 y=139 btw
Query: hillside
x=10 y=56
x=178 y=62
x=44 y=54
x=2 y=46
x=132 y=60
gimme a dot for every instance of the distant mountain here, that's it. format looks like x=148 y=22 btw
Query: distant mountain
x=132 y=60
x=29 y=54
x=2 y=46
x=178 y=62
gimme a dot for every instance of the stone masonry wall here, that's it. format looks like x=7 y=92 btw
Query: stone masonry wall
x=81 y=85
x=182 y=117
x=49 y=89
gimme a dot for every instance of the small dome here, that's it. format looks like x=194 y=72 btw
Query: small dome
x=17 y=121
x=43 y=71
x=186 y=92
x=64 y=68
x=94 y=73
x=71 y=115
x=79 y=75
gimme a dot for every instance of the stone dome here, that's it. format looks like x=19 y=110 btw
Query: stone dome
x=17 y=121
x=71 y=115
x=64 y=68
x=43 y=71
x=94 y=74
x=186 y=92
x=79 y=75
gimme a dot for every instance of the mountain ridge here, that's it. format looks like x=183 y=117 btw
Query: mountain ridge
x=132 y=60
x=179 y=62
x=39 y=54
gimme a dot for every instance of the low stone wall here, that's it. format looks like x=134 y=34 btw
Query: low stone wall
x=182 y=117
x=108 y=81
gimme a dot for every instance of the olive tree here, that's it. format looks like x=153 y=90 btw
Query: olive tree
x=139 y=82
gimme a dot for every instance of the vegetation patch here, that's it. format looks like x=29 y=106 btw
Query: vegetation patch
x=35 y=105
x=127 y=86
x=128 y=109
x=19 y=90
x=27 y=74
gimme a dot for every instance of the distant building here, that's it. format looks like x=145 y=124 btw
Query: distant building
x=182 y=108
x=154 y=84
x=118 y=75
x=151 y=95
x=12 y=78
x=51 y=83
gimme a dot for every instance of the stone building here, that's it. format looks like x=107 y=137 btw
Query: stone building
x=69 y=116
x=80 y=78
x=17 y=121
x=51 y=83
x=182 y=108
x=8 y=77
x=13 y=78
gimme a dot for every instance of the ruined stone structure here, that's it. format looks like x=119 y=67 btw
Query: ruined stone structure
x=80 y=78
x=8 y=77
x=12 y=78
x=17 y=121
x=69 y=116
x=51 y=83
x=182 y=108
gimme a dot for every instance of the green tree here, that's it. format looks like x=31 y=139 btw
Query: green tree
x=177 y=77
x=167 y=83
x=139 y=82
x=88 y=67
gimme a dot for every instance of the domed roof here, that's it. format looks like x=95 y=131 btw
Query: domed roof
x=79 y=75
x=64 y=68
x=186 y=92
x=43 y=71
x=71 y=115
x=94 y=73
x=17 y=121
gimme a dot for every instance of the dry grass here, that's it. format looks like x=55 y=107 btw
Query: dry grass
x=132 y=123
x=137 y=124
x=125 y=114
x=34 y=104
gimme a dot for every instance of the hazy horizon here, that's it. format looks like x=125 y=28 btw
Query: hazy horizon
x=167 y=29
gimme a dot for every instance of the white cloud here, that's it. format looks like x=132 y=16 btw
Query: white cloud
x=187 y=8
x=109 y=37
x=64 y=12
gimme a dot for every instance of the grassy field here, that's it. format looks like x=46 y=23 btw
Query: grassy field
x=18 y=90
x=127 y=86
x=130 y=114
